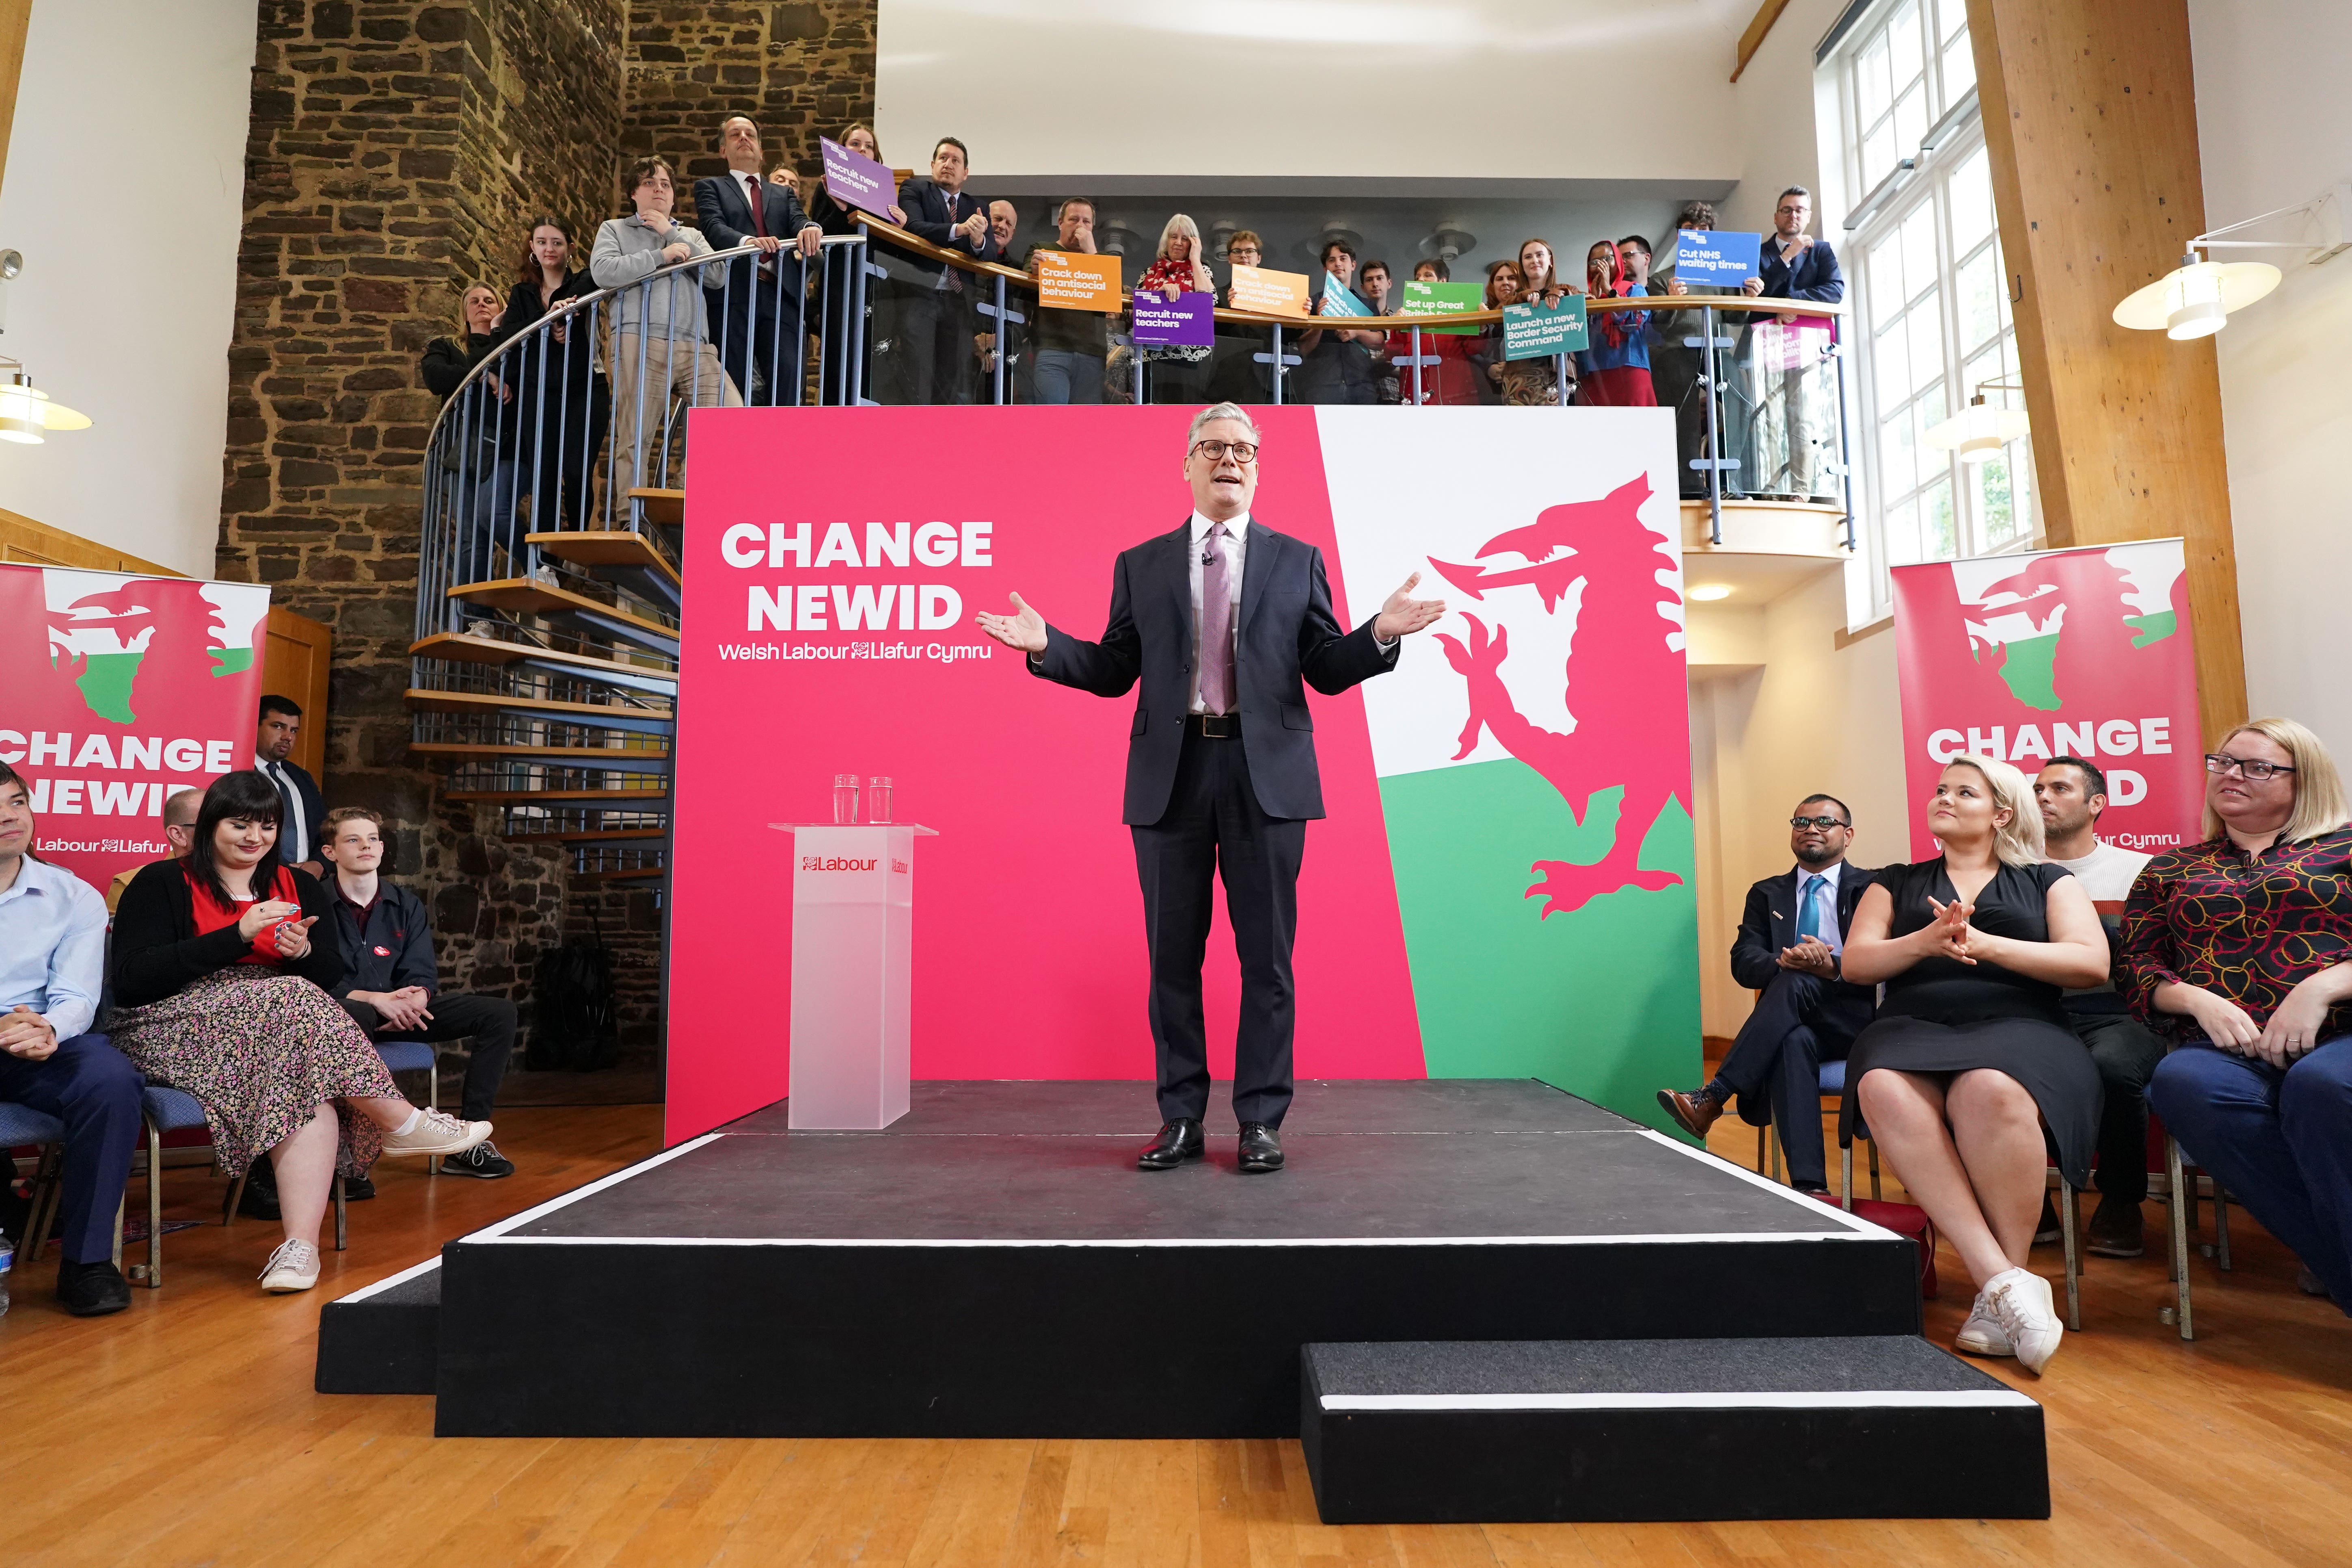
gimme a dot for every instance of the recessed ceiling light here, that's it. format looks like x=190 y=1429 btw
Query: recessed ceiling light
x=1710 y=591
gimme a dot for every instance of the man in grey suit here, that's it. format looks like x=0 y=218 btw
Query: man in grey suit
x=1221 y=774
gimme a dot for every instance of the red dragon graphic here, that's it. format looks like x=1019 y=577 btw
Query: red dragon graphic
x=1634 y=681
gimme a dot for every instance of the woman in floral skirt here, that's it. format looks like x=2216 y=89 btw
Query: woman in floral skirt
x=221 y=993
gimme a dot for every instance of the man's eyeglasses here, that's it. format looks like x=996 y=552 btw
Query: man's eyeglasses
x=1243 y=451
x=1824 y=823
x=2254 y=768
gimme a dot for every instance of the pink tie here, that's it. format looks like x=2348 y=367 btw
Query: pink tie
x=1216 y=626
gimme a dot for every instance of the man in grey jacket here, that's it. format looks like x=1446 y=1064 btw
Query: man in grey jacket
x=661 y=344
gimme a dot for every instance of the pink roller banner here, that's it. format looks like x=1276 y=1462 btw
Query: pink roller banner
x=1501 y=886
x=2084 y=653
x=117 y=691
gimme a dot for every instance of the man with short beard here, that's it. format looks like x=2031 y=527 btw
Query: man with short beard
x=1791 y=941
x=2072 y=793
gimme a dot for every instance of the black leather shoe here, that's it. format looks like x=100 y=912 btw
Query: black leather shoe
x=1261 y=1148
x=260 y=1199
x=358 y=1189
x=92 y=1289
x=2116 y=1229
x=1179 y=1141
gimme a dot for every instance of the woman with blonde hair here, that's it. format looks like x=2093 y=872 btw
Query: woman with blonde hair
x=2240 y=949
x=1970 y=1056
x=1178 y=371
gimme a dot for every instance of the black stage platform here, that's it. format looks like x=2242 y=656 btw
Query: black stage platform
x=994 y=1266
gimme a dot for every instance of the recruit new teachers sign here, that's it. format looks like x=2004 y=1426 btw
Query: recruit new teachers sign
x=1189 y=320
x=2082 y=653
x=856 y=181
x=117 y=691
x=1502 y=888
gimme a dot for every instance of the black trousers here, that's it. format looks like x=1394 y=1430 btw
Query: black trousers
x=758 y=333
x=1215 y=827
x=1777 y=1057
x=2125 y=1053
x=930 y=358
x=93 y=1088
x=487 y=1021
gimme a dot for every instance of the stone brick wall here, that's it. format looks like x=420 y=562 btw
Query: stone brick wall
x=397 y=150
x=803 y=69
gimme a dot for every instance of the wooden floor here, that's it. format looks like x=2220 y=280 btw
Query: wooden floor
x=184 y=1431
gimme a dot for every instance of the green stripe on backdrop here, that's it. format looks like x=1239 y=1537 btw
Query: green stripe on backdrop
x=1601 y=1001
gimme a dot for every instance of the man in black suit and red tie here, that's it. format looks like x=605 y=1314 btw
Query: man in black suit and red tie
x=1221 y=775
x=758 y=314
x=1791 y=943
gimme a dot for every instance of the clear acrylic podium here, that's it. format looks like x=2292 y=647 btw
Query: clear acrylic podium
x=853 y=972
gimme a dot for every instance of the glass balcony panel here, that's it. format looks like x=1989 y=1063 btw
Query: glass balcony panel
x=1784 y=410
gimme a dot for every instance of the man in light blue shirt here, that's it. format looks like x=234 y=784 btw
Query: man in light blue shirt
x=52 y=956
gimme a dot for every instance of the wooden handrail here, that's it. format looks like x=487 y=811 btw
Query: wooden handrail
x=885 y=230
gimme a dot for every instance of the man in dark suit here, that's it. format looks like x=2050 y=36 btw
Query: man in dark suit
x=930 y=350
x=1782 y=418
x=273 y=742
x=758 y=311
x=1792 y=940
x=1220 y=774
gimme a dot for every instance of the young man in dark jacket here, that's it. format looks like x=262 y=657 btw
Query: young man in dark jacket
x=390 y=983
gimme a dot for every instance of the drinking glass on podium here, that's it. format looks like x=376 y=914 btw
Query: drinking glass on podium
x=845 y=800
x=877 y=799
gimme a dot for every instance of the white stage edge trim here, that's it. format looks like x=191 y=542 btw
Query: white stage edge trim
x=1890 y=1399
x=1866 y=1228
x=1680 y=1237
x=499 y=1231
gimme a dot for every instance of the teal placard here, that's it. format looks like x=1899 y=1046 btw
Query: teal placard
x=1539 y=331
x=1338 y=299
x=1444 y=300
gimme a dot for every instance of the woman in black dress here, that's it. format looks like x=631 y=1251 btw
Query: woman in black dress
x=565 y=402
x=1970 y=1056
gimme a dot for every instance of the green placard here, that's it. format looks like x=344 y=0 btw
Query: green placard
x=1539 y=331
x=1444 y=300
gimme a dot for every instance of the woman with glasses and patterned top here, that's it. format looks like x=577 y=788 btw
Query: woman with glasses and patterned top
x=2239 y=950
x=1970 y=1057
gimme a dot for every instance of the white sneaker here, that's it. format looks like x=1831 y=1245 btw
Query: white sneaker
x=436 y=1132
x=293 y=1266
x=1981 y=1334
x=2019 y=1300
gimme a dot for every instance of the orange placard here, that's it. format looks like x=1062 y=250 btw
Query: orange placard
x=1271 y=293
x=1070 y=280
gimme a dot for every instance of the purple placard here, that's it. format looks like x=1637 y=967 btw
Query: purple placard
x=857 y=181
x=1187 y=321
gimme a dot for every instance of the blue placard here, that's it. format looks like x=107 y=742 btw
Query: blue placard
x=1708 y=255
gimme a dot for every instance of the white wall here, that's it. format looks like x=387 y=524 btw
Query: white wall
x=1386 y=88
x=1813 y=716
x=124 y=307
x=2274 y=127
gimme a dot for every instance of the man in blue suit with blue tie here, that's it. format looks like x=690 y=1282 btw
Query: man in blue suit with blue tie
x=1791 y=941
x=1224 y=623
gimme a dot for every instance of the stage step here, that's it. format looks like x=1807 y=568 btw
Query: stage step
x=384 y=1338
x=1877 y=1427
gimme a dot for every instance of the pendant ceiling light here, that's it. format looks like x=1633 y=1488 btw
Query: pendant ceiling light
x=1981 y=430
x=26 y=412
x=2196 y=298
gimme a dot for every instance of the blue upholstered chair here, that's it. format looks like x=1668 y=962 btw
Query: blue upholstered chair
x=416 y=1055
x=20 y=1126
x=1833 y=1082
x=171 y=1110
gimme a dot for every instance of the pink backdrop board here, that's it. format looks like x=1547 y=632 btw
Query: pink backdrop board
x=1028 y=946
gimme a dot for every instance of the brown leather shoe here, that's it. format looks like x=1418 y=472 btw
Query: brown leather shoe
x=2116 y=1230
x=1694 y=1112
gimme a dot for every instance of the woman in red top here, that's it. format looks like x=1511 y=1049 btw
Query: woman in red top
x=222 y=994
x=2241 y=948
x=1178 y=371
x=1453 y=380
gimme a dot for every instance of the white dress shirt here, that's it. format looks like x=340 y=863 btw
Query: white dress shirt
x=1237 y=554
x=52 y=946
x=1828 y=895
x=293 y=833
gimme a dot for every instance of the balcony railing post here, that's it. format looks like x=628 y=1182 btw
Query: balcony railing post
x=854 y=374
x=1416 y=367
x=1559 y=377
x=1845 y=442
x=1711 y=378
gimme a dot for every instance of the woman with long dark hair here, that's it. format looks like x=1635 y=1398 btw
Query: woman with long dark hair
x=1614 y=371
x=221 y=993
x=839 y=281
x=565 y=402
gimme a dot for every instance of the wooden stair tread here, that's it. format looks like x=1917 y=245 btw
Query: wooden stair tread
x=471 y=650
x=596 y=836
x=606 y=547
x=588 y=756
x=613 y=796
x=528 y=595
x=666 y=507
x=431 y=701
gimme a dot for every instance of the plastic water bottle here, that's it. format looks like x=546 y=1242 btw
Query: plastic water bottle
x=7 y=1261
x=845 y=800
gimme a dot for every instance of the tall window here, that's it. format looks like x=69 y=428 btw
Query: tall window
x=1929 y=291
